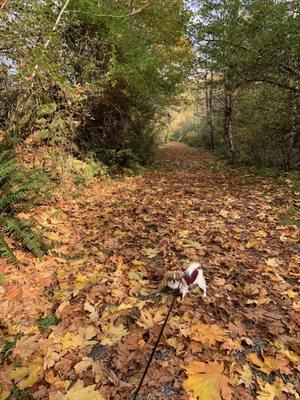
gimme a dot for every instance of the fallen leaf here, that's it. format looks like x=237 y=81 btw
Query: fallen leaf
x=207 y=381
x=26 y=346
x=269 y=363
x=224 y=213
x=260 y=234
x=149 y=318
x=83 y=365
x=56 y=381
x=231 y=345
x=272 y=262
x=296 y=305
x=150 y=252
x=268 y=391
x=27 y=376
x=246 y=377
x=71 y=340
x=290 y=293
x=78 y=392
x=94 y=316
x=206 y=334
x=113 y=334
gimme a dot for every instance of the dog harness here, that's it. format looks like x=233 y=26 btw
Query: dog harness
x=190 y=279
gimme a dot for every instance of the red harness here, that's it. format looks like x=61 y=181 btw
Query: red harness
x=190 y=279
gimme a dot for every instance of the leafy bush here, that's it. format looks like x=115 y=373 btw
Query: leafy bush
x=122 y=158
x=18 y=189
x=193 y=139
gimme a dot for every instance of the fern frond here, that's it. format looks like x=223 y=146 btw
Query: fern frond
x=20 y=230
x=6 y=251
x=19 y=188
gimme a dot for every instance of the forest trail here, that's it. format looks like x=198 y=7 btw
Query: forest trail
x=112 y=243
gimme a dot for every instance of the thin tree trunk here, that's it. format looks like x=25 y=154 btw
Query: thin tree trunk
x=206 y=98
x=292 y=135
x=208 y=107
x=210 y=103
x=228 y=121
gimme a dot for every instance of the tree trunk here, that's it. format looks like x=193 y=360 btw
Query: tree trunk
x=291 y=137
x=208 y=107
x=228 y=122
x=210 y=103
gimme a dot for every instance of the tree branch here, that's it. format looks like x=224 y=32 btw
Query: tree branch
x=133 y=13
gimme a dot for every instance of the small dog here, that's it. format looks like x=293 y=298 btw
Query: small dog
x=186 y=280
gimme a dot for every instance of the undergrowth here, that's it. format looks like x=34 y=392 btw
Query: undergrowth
x=20 y=188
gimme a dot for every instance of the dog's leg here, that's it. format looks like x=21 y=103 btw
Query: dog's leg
x=183 y=290
x=202 y=284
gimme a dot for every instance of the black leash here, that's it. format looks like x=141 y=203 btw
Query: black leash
x=154 y=349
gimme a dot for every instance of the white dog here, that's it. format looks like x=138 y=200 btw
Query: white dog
x=184 y=281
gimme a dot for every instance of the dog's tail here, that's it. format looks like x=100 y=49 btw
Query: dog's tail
x=192 y=266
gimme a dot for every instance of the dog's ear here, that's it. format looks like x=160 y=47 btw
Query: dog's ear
x=164 y=281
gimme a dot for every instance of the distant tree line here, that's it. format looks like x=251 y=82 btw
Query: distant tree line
x=248 y=67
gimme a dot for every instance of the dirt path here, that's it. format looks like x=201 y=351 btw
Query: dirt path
x=112 y=243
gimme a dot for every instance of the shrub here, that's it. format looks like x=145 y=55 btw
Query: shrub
x=18 y=189
x=111 y=157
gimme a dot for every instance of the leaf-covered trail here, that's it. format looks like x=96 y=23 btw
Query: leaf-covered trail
x=112 y=244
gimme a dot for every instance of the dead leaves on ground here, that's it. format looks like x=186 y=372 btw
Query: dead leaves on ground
x=207 y=381
x=111 y=245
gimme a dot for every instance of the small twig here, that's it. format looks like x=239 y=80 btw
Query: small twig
x=132 y=14
x=154 y=349
x=3 y=3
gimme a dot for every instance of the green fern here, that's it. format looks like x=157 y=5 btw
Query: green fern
x=6 y=250
x=18 y=190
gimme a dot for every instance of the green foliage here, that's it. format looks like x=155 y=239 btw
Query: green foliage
x=45 y=322
x=249 y=50
x=70 y=169
x=19 y=189
x=122 y=158
x=193 y=139
x=19 y=394
x=107 y=74
x=292 y=217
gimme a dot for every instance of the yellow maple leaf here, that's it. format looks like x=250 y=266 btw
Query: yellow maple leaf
x=71 y=340
x=113 y=334
x=268 y=391
x=28 y=375
x=246 y=377
x=272 y=262
x=207 y=334
x=268 y=364
x=150 y=252
x=4 y=394
x=149 y=318
x=292 y=357
x=207 y=381
x=290 y=293
x=78 y=392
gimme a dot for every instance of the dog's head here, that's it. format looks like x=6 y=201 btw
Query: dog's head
x=172 y=279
